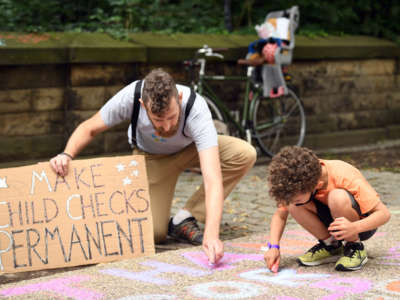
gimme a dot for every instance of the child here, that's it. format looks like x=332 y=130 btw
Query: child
x=329 y=198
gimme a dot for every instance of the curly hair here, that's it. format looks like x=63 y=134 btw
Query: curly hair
x=294 y=170
x=158 y=89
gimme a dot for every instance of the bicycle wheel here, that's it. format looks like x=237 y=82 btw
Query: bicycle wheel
x=278 y=122
x=217 y=117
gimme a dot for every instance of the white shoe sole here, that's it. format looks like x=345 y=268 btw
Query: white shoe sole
x=343 y=268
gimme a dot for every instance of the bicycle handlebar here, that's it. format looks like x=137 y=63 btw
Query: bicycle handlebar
x=207 y=51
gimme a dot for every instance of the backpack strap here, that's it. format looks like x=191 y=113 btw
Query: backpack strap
x=189 y=106
x=135 y=111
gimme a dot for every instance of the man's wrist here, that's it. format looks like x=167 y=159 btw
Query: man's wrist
x=66 y=154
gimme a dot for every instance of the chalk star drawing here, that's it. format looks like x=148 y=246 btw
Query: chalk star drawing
x=133 y=163
x=135 y=173
x=3 y=183
x=127 y=180
x=120 y=167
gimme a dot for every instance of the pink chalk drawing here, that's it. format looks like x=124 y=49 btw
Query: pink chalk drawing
x=199 y=258
x=393 y=257
x=286 y=277
x=343 y=286
x=150 y=276
x=150 y=297
x=60 y=286
x=227 y=290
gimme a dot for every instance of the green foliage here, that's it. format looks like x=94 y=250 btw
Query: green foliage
x=120 y=17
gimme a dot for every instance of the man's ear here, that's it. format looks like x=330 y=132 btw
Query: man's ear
x=180 y=96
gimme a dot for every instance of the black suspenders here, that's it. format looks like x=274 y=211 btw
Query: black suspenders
x=136 y=108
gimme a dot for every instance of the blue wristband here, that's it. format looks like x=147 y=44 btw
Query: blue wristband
x=273 y=246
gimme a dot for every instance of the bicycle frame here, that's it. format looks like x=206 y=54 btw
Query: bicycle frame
x=263 y=119
x=204 y=88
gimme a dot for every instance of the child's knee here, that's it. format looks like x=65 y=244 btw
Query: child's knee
x=339 y=199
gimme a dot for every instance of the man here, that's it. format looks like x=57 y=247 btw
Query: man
x=172 y=142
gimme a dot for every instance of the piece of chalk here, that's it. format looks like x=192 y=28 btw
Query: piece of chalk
x=211 y=265
x=275 y=268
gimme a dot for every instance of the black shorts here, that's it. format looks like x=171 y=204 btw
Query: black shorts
x=324 y=214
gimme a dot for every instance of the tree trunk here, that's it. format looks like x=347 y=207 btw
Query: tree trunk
x=228 y=15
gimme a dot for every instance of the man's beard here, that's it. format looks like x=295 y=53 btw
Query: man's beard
x=166 y=134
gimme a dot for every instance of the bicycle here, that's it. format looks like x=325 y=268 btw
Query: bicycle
x=271 y=122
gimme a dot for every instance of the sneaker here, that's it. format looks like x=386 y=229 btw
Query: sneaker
x=354 y=257
x=186 y=231
x=321 y=254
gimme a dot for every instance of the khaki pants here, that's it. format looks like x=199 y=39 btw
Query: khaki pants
x=236 y=156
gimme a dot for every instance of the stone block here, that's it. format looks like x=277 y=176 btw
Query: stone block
x=74 y=117
x=340 y=68
x=378 y=67
x=32 y=76
x=12 y=101
x=30 y=147
x=393 y=100
x=334 y=85
x=321 y=123
x=48 y=99
x=343 y=47
x=116 y=142
x=123 y=127
x=393 y=132
x=371 y=101
x=102 y=74
x=346 y=138
x=110 y=91
x=95 y=147
x=346 y=121
x=85 y=98
x=26 y=124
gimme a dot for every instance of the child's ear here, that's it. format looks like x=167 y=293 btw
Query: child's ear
x=320 y=184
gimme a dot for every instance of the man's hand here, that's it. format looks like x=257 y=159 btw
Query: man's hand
x=342 y=229
x=60 y=163
x=272 y=257
x=214 y=249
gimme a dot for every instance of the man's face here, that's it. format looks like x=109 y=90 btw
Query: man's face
x=167 y=123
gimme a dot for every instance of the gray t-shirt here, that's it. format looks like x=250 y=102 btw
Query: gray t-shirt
x=199 y=127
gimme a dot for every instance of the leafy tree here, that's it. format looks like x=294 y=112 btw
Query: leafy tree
x=120 y=17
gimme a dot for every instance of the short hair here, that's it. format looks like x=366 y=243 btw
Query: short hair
x=158 y=89
x=294 y=170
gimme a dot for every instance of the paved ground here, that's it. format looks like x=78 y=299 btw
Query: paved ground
x=180 y=272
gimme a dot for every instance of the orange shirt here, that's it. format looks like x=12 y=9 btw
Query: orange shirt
x=342 y=175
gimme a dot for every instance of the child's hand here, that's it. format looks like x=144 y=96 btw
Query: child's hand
x=342 y=228
x=272 y=258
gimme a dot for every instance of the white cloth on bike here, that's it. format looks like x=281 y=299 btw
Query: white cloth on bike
x=199 y=127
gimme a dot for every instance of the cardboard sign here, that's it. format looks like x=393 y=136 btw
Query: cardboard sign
x=99 y=212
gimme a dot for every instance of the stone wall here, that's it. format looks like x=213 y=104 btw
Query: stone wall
x=48 y=87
